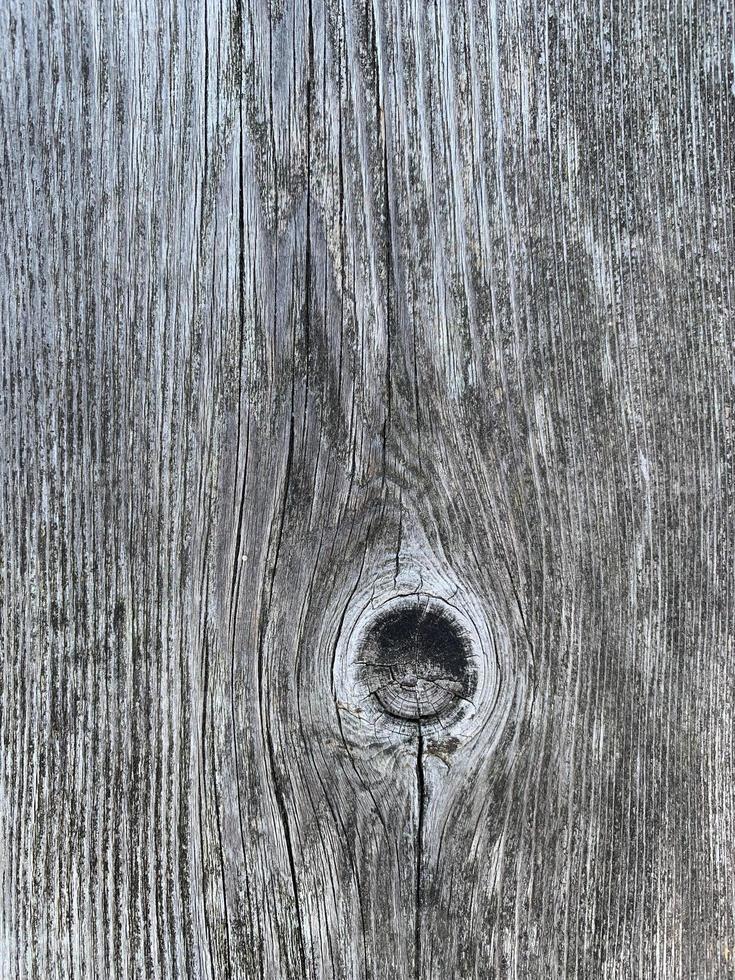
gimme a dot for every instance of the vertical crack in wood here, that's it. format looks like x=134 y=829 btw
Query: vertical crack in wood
x=236 y=560
x=419 y=849
x=266 y=722
x=307 y=246
x=400 y=540
x=388 y=244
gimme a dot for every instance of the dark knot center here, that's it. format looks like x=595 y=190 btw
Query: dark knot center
x=416 y=659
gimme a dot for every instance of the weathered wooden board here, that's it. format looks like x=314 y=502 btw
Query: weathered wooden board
x=306 y=306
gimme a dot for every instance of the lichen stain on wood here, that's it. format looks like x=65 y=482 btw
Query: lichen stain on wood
x=314 y=308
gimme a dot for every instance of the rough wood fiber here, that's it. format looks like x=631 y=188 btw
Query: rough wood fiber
x=306 y=305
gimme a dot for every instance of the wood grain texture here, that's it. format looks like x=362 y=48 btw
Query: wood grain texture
x=305 y=306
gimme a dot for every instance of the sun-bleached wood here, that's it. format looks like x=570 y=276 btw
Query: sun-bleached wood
x=305 y=307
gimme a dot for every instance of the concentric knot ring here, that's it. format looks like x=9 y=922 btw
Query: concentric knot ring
x=417 y=659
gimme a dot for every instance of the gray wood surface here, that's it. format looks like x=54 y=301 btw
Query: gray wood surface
x=306 y=306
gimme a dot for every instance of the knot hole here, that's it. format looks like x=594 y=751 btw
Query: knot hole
x=417 y=660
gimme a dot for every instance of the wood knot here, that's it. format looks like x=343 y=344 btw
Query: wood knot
x=416 y=659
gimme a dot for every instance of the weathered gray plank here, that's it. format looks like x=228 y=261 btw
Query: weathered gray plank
x=307 y=306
